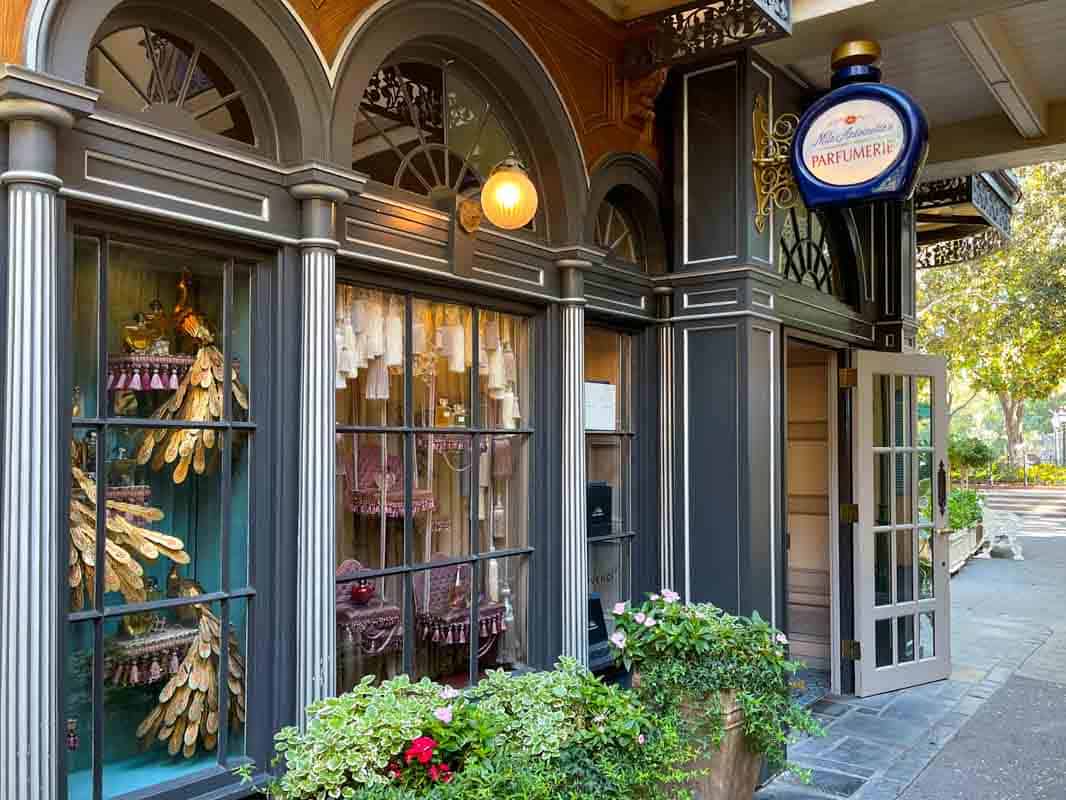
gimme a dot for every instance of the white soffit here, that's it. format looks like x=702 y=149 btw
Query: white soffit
x=1003 y=68
x=928 y=65
x=1038 y=31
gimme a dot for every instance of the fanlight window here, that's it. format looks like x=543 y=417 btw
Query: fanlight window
x=170 y=82
x=618 y=234
x=422 y=128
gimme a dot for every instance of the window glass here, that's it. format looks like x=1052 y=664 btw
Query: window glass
x=370 y=333
x=608 y=456
x=161 y=513
x=170 y=81
x=617 y=233
x=428 y=495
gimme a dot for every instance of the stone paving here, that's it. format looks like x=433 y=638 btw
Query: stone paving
x=965 y=737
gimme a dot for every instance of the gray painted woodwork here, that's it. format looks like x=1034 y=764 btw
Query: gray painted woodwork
x=665 y=344
x=31 y=518
x=574 y=551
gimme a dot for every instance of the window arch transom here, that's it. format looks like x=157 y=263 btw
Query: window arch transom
x=618 y=233
x=171 y=82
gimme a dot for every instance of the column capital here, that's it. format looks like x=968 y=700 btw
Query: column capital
x=21 y=84
x=319 y=191
x=15 y=108
x=314 y=181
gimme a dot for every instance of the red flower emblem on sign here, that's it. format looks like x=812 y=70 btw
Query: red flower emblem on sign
x=851 y=119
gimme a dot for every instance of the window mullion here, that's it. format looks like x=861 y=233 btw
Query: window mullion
x=410 y=456
x=101 y=521
x=474 y=494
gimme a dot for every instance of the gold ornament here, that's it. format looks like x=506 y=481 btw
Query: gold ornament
x=198 y=398
x=774 y=183
x=187 y=714
x=126 y=542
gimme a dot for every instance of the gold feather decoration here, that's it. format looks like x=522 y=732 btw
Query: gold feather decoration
x=187 y=713
x=126 y=543
x=198 y=398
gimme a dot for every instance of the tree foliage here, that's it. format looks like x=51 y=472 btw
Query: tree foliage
x=1000 y=320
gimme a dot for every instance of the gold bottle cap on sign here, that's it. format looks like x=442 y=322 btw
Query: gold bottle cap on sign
x=861 y=51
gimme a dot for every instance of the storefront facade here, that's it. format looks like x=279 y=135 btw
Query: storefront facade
x=346 y=425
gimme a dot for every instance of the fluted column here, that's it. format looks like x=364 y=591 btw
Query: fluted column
x=575 y=567
x=666 y=455
x=31 y=522
x=316 y=650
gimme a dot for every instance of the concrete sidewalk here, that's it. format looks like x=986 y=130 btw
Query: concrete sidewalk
x=994 y=731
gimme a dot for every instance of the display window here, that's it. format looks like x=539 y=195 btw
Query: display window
x=433 y=479
x=609 y=443
x=163 y=492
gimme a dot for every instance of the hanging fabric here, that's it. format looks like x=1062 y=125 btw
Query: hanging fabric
x=394 y=336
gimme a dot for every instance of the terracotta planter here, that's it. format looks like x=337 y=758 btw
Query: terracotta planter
x=732 y=771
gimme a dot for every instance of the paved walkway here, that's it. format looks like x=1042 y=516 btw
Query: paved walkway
x=995 y=731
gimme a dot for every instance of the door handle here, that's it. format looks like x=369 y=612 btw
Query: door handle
x=942 y=489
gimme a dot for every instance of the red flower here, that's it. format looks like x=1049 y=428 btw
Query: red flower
x=421 y=750
x=440 y=773
x=394 y=770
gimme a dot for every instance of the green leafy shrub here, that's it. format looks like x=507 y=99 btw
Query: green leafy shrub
x=965 y=509
x=559 y=735
x=687 y=654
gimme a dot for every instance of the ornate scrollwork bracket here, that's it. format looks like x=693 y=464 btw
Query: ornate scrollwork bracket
x=774 y=183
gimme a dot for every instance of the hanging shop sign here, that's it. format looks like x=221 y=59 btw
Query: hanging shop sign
x=862 y=141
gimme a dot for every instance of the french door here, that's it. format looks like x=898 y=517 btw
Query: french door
x=902 y=602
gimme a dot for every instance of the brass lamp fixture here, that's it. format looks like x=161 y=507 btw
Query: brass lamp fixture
x=509 y=199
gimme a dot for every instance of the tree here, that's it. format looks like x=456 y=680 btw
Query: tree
x=1000 y=321
x=967 y=453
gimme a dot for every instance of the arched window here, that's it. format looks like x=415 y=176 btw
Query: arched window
x=170 y=82
x=618 y=233
x=424 y=128
x=805 y=255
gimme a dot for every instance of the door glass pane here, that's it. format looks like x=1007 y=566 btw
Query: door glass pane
x=443 y=489
x=604 y=379
x=83 y=326
x=369 y=333
x=904 y=566
x=503 y=498
x=161 y=697
x=882 y=411
x=903 y=411
x=238 y=566
x=927 y=634
x=925 y=487
x=905 y=641
x=78 y=711
x=925 y=564
x=605 y=469
x=883 y=642
x=370 y=625
x=609 y=580
x=904 y=498
x=924 y=392
x=883 y=480
x=442 y=343
x=504 y=384
x=241 y=338
x=883 y=568
x=370 y=500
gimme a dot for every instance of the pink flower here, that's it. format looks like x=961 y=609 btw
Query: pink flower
x=649 y=623
x=619 y=609
x=641 y=739
x=782 y=639
x=670 y=596
x=449 y=693
x=639 y=618
x=618 y=639
x=444 y=714
x=654 y=597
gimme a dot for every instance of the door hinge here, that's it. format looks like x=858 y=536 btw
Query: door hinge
x=849 y=513
x=851 y=650
x=847 y=378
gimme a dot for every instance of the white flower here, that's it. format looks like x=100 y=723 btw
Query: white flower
x=639 y=617
x=782 y=639
x=670 y=596
x=449 y=693
x=654 y=597
x=619 y=609
x=618 y=639
x=649 y=623
x=641 y=739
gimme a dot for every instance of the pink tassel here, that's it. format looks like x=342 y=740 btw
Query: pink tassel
x=174 y=379
x=121 y=382
x=135 y=382
x=174 y=666
x=157 y=382
x=155 y=672
x=135 y=675
x=110 y=380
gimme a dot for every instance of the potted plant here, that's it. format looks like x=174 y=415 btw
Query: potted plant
x=726 y=680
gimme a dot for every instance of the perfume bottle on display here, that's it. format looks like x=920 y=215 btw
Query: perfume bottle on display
x=444 y=413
